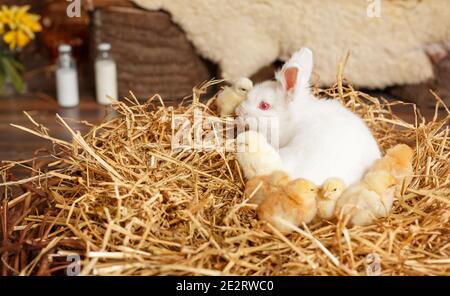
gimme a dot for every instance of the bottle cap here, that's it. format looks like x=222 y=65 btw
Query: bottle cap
x=64 y=48
x=104 y=46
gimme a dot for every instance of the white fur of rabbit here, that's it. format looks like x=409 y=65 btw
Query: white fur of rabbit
x=318 y=138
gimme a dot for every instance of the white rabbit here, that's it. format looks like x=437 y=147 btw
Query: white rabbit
x=318 y=138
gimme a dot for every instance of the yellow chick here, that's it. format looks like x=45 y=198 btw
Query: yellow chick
x=294 y=203
x=260 y=187
x=373 y=197
x=231 y=96
x=330 y=191
x=370 y=199
x=255 y=155
x=398 y=162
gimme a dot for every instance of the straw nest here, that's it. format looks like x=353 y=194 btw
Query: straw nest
x=122 y=200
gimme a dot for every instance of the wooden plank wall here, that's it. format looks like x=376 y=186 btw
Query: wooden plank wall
x=153 y=54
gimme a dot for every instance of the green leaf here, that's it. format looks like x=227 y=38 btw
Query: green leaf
x=16 y=64
x=2 y=81
x=14 y=74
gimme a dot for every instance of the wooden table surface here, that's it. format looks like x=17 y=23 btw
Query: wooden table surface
x=16 y=144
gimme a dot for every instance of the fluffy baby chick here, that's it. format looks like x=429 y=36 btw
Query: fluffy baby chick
x=294 y=203
x=398 y=162
x=373 y=197
x=260 y=187
x=255 y=155
x=231 y=96
x=330 y=191
x=368 y=200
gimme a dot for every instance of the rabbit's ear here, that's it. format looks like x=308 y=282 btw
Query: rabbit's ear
x=290 y=76
x=297 y=71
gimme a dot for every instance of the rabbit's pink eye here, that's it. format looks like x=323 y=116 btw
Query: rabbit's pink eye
x=264 y=106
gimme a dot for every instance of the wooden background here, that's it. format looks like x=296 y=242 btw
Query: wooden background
x=154 y=58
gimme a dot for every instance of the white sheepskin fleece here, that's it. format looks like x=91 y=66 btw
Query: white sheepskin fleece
x=244 y=36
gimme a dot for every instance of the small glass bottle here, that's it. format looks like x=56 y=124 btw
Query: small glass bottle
x=67 y=78
x=105 y=75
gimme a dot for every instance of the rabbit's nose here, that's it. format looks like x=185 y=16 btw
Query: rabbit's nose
x=241 y=124
x=239 y=111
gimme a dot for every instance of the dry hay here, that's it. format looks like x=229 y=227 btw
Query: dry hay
x=127 y=204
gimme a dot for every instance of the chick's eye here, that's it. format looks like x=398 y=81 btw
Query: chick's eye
x=264 y=106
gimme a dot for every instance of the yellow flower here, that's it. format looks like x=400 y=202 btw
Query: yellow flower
x=22 y=25
x=7 y=15
x=16 y=38
x=28 y=20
